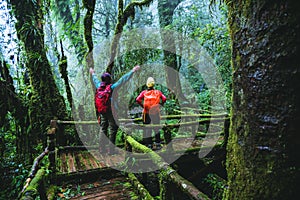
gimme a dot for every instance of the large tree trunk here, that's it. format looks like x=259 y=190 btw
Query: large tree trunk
x=88 y=26
x=46 y=101
x=165 y=10
x=262 y=158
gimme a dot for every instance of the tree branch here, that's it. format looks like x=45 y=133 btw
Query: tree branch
x=123 y=16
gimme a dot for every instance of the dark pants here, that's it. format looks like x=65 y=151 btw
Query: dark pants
x=109 y=128
x=151 y=119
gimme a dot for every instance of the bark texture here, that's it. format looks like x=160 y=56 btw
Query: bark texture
x=46 y=101
x=262 y=158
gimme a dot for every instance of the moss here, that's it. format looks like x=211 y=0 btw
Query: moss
x=51 y=192
x=32 y=190
x=162 y=184
x=58 y=163
x=139 y=188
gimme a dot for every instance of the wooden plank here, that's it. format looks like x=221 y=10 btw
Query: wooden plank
x=107 y=189
x=64 y=166
x=110 y=194
x=120 y=158
x=85 y=160
x=115 y=160
x=79 y=161
x=92 y=161
x=107 y=160
x=71 y=163
x=100 y=159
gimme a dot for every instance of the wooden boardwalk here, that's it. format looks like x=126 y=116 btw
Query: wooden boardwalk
x=79 y=172
x=83 y=160
x=77 y=161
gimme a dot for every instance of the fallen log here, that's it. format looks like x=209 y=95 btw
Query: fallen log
x=140 y=189
x=167 y=172
x=33 y=186
x=34 y=168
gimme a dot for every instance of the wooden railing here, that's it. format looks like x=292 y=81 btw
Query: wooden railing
x=34 y=185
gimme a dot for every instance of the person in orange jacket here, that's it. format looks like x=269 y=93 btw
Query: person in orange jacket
x=151 y=100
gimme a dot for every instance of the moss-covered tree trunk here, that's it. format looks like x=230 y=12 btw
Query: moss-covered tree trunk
x=46 y=101
x=63 y=65
x=88 y=26
x=14 y=104
x=263 y=154
x=165 y=11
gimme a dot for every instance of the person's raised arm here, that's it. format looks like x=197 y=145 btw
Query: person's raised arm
x=125 y=77
x=95 y=78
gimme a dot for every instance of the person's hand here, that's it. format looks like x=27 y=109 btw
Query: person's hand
x=92 y=71
x=136 y=68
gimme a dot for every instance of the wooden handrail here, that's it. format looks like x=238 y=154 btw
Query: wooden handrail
x=166 y=171
x=192 y=123
x=34 y=168
x=163 y=117
x=31 y=185
x=172 y=175
x=131 y=124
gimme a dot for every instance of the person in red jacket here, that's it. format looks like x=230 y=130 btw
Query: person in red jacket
x=107 y=120
x=151 y=100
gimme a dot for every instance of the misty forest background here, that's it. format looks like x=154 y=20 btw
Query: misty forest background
x=47 y=47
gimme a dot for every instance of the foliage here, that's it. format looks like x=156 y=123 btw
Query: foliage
x=13 y=172
x=67 y=15
x=69 y=191
x=105 y=19
x=211 y=31
x=218 y=186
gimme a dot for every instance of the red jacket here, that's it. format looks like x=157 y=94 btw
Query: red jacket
x=140 y=98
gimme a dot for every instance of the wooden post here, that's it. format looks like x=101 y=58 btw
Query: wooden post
x=51 y=144
x=168 y=137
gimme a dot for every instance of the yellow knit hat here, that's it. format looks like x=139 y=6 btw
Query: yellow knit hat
x=150 y=82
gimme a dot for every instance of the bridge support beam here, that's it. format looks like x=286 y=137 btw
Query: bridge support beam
x=51 y=135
